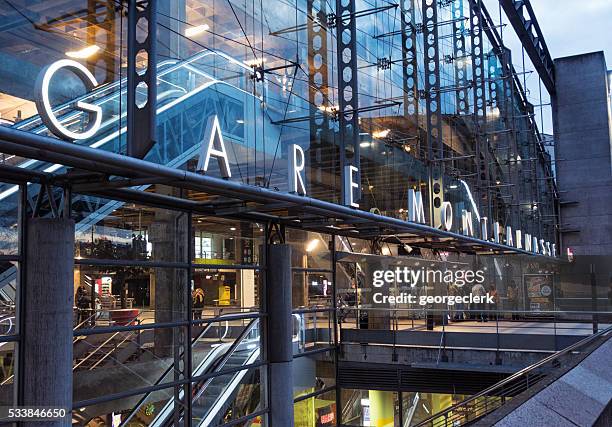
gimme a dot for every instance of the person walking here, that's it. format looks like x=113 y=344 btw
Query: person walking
x=82 y=302
x=197 y=303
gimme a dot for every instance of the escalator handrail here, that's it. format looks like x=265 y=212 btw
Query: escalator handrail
x=162 y=376
x=222 y=360
x=227 y=391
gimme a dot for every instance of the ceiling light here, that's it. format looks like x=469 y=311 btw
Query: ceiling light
x=232 y=228
x=198 y=29
x=328 y=109
x=312 y=245
x=86 y=52
x=381 y=133
x=257 y=62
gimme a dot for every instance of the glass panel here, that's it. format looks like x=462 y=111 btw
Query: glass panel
x=220 y=241
x=319 y=411
x=113 y=295
x=225 y=290
x=138 y=410
x=9 y=214
x=110 y=229
x=228 y=397
x=7 y=372
x=214 y=342
x=313 y=373
x=115 y=362
x=9 y=274
x=312 y=289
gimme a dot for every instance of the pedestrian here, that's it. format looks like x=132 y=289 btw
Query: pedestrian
x=478 y=290
x=197 y=303
x=82 y=302
x=512 y=294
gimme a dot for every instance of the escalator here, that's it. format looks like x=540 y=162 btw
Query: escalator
x=189 y=92
x=213 y=396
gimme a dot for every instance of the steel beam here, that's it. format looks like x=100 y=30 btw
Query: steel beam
x=523 y=20
x=346 y=38
x=142 y=86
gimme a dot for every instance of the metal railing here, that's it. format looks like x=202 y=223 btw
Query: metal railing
x=560 y=327
x=490 y=399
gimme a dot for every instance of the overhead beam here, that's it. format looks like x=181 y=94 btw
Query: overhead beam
x=523 y=20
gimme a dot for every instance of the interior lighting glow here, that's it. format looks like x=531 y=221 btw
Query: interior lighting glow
x=86 y=52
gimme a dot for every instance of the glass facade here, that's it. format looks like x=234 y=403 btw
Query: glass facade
x=273 y=75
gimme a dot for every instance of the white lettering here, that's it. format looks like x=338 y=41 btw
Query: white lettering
x=528 y=241
x=496 y=232
x=416 y=213
x=215 y=147
x=519 y=239
x=446 y=216
x=297 y=162
x=466 y=223
x=484 y=232
x=509 y=238
x=43 y=102
x=350 y=185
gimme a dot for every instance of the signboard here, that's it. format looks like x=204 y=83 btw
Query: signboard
x=539 y=295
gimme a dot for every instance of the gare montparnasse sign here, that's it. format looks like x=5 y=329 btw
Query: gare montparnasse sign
x=213 y=146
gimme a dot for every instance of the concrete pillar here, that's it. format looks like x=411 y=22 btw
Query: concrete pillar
x=46 y=369
x=583 y=149
x=168 y=234
x=279 y=333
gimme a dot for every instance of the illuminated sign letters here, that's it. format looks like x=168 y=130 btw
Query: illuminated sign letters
x=297 y=162
x=466 y=223
x=416 y=213
x=215 y=147
x=349 y=185
x=45 y=110
x=446 y=216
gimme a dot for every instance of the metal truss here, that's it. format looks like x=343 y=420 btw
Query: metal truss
x=409 y=59
x=322 y=150
x=460 y=58
x=480 y=108
x=348 y=95
x=142 y=87
x=523 y=20
x=435 y=146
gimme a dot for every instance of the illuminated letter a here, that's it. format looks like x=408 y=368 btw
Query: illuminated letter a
x=215 y=147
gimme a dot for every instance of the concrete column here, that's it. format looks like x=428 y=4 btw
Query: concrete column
x=279 y=333
x=168 y=234
x=46 y=369
x=583 y=149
